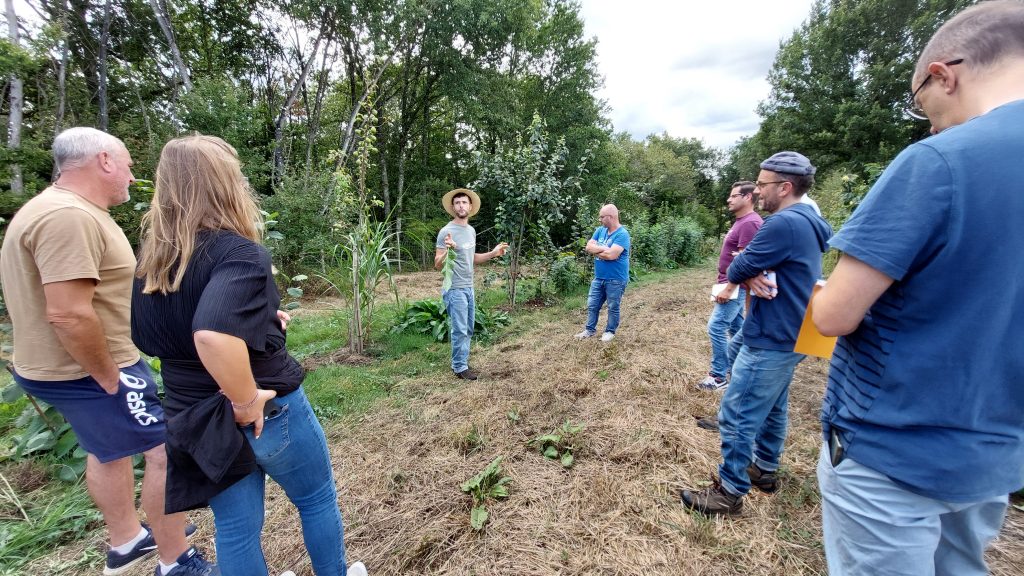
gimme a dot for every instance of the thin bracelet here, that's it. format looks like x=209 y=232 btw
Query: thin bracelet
x=247 y=404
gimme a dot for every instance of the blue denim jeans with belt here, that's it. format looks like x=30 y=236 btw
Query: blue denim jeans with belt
x=461 y=306
x=602 y=290
x=725 y=323
x=754 y=414
x=292 y=450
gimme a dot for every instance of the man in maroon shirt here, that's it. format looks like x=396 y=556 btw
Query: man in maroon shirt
x=727 y=317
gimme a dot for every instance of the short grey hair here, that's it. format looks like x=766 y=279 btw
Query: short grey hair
x=75 y=145
x=982 y=35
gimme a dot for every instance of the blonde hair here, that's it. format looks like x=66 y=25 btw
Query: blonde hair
x=199 y=186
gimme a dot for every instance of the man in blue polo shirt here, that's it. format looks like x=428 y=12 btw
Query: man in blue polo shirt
x=753 y=414
x=610 y=248
x=924 y=412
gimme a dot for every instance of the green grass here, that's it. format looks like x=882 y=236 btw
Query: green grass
x=57 y=514
x=317 y=334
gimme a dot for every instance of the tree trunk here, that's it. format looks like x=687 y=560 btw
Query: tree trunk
x=104 y=116
x=283 y=115
x=165 y=25
x=318 y=105
x=17 y=93
x=399 y=193
x=61 y=82
x=382 y=146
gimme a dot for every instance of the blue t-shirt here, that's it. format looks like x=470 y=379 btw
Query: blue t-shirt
x=617 y=269
x=791 y=243
x=929 y=390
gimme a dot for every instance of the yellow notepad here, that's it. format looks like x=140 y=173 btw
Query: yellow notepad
x=809 y=341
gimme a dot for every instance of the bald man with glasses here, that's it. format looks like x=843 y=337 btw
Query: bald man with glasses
x=922 y=419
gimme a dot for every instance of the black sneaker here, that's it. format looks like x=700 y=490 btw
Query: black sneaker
x=713 y=500
x=119 y=563
x=466 y=374
x=767 y=482
x=192 y=563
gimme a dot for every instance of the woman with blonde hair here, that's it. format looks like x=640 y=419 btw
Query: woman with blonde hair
x=205 y=303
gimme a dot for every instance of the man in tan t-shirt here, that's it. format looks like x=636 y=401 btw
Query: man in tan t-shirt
x=67 y=271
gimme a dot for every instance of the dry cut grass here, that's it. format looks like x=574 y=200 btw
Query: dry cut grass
x=617 y=512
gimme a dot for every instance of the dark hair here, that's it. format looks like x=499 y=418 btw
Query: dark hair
x=462 y=195
x=801 y=184
x=746 y=187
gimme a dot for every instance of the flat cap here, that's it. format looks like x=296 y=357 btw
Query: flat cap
x=789 y=163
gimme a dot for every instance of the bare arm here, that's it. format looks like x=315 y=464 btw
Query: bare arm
x=611 y=253
x=594 y=248
x=441 y=253
x=499 y=250
x=850 y=292
x=70 y=312
x=226 y=358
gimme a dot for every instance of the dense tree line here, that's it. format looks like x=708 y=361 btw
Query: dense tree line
x=840 y=86
x=298 y=86
x=342 y=111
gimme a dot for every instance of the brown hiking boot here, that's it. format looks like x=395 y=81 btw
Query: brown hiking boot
x=713 y=500
x=708 y=423
x=767 y=482
x=466 y=374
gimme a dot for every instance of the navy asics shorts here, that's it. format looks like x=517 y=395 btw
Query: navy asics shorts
x=108 y=426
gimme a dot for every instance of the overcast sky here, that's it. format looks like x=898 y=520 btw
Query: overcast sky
x=693 y=69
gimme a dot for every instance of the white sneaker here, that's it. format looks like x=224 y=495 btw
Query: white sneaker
x=607 y=337
x=712 y=383
x=584 y=335
x=357 y=569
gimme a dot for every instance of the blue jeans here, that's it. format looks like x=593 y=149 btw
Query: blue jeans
x=875 y=527
x=725 y=323
x=602 y=290
x=753 y=416
x=461 y=306
x=293 y=451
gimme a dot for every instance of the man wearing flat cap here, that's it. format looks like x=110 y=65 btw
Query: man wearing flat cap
x=459 y=299
x=753 y=414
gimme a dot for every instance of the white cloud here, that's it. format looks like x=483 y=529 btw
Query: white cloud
x=693 y=69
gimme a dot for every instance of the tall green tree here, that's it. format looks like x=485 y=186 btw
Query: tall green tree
x=840 y=84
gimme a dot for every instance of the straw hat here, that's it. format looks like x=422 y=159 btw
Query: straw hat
x=446 y=201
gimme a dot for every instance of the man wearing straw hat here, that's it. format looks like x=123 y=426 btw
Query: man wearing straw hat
x=459 y=238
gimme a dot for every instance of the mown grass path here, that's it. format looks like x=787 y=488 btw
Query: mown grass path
x=400 y=459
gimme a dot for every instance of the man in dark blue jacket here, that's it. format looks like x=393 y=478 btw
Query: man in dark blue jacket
x=753 y=415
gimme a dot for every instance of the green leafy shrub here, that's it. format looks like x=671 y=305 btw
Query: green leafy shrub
x=41 y=430
x=649 y=245
x=488 y=484
x=431 y=317
x=559 y=443
x=566 y=274
x=672 y=241
x=685 y=238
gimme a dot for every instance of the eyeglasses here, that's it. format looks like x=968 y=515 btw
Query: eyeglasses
x=760 y=185
x=914 y=110
x=731 y=196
